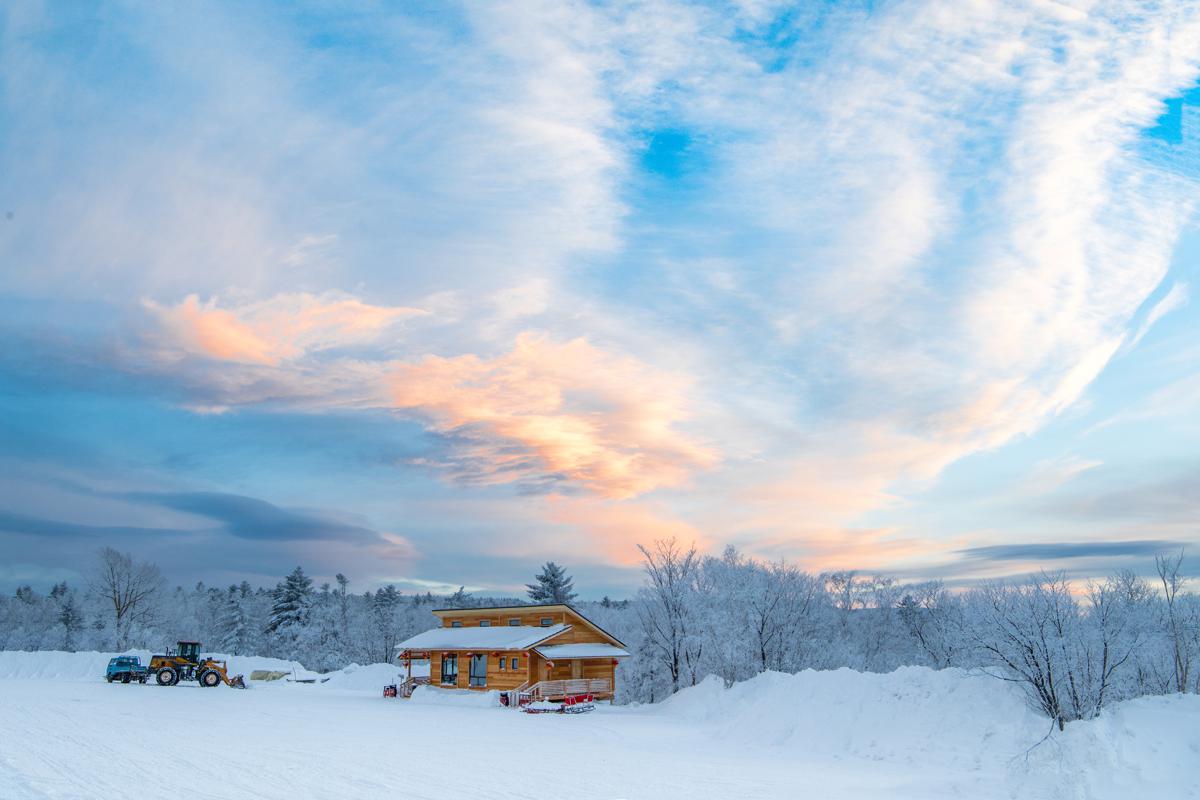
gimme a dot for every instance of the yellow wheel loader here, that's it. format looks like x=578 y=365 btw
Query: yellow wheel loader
x=186 y=664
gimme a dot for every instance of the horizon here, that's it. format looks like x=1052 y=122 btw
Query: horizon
x=429 y=296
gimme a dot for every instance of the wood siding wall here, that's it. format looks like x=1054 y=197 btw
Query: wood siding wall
x=532 y=668
x=496 y=677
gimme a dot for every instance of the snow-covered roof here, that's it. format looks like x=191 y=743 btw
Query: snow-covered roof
x=498 y=637
x=588 y=650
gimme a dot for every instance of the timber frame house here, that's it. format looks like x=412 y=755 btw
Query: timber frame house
x=529 y=653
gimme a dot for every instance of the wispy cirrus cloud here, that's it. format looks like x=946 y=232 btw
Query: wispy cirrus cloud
x=284 y=327
x=569 y=412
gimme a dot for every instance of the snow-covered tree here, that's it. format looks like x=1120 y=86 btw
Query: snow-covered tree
x=235 y=626
x=293 y=598
x=552 y=585
x=671 y=632
x=129 y=588
x=69 y=617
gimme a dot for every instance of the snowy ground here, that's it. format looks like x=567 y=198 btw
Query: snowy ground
x=911 y=734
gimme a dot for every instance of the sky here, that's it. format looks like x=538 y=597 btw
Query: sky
x=429 y=293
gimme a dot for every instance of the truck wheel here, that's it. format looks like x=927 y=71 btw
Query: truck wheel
x=166 y=677
x=125 y=678
x=108 y=678
x=209 y=678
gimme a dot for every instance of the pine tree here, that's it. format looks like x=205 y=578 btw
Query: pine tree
x=553 y=585
x=71 y=619
x=293 y=598
x=459 y=599
x=235 y=628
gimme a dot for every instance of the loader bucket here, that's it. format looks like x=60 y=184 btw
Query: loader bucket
x=237 y=682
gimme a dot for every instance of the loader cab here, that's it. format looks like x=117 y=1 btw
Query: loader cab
x=189 y=651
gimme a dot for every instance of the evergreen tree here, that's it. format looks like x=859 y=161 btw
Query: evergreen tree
x=71 y=618
x=235 y=628
x=343 y=602
x=459 y=599
x=553 y=585
x=293 y=598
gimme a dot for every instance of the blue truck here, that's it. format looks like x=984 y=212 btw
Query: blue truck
x=126 y=669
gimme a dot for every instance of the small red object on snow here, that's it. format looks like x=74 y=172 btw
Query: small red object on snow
x=389 y=691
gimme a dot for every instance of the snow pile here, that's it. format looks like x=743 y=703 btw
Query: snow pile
x=59 y=665
x=90 y=666
x=372 y=677
x=433 y=696
x=544 y=705
x=865 y=714
x=948 y=721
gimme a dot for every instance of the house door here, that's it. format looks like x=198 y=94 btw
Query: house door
x=478 y=673
x=576 y=669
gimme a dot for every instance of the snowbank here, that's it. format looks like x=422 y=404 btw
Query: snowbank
x=372 y=677
x=90 y=665
x=946 y=721
x=433 y=696
x=865 y=714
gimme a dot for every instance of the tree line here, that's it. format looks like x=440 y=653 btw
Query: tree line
x=1071 y=648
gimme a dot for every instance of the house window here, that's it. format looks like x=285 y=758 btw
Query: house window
x=547 y=622
x=514 y=621
x=503 y=661
x=478 y=674
x=456 y=623
x=516 y=663
x=485 y=623
x=450 y=669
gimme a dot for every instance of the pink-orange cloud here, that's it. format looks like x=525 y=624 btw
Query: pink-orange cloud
x=271 y=331
x=547 y=411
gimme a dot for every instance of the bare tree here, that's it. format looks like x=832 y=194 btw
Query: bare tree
x=668 y=607
x=129 y=587
x=1182 y=652
x=1067 y=658
x=934 y=619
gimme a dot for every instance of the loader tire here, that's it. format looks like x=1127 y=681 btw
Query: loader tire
x=166 y=677
x=210 y=678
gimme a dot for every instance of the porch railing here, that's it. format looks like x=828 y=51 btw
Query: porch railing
x=556 y=690
x=410 y=685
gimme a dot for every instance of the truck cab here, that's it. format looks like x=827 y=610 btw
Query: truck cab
x=189 y=651
x=126 y=669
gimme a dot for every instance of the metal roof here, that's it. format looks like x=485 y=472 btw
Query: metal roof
x=499 y=637
x=581 y=650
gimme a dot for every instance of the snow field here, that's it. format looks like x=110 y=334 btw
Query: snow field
x=914 y=733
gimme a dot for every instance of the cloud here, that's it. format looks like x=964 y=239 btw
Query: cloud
x=549 y=412
x=39 y=526
x=282 y=328
x=1175 y=298
x=1161 y=501
x=252 y=518
x=1049 y=474
x=1059 y=551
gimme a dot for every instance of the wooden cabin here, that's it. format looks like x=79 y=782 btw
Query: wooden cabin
x=544 y=652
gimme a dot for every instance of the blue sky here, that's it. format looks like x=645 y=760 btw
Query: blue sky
x=429 y=293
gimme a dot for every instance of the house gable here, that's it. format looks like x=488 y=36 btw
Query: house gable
x=581 y=630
